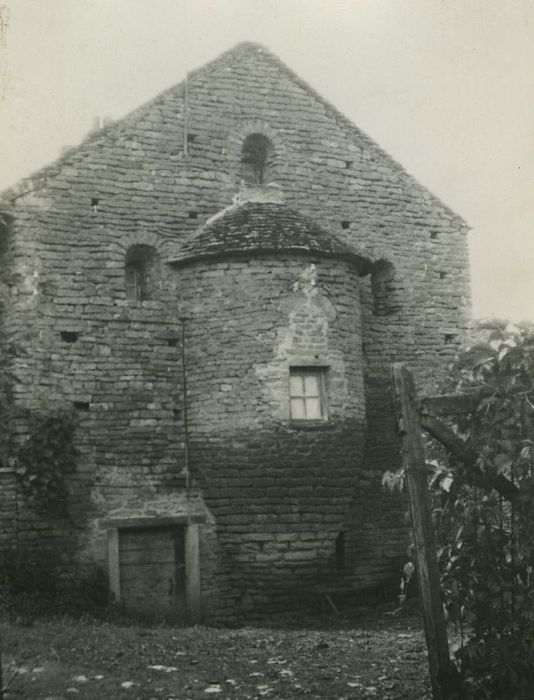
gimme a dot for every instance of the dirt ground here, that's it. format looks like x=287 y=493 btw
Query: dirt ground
x=358 y=654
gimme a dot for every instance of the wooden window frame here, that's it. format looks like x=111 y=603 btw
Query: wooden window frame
x=318 y=373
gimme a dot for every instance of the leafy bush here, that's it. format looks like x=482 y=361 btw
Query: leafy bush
x=484 y=517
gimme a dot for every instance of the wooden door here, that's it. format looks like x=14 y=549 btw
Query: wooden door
x=152 y=572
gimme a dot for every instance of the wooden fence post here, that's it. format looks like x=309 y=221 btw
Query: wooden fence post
x=413 y=456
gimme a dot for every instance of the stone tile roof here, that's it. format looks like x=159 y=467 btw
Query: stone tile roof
x=263 y=227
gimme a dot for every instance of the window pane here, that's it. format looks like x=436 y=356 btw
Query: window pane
x=311 y=385
x=297 y=409
x=296 y=386
x=313 y=409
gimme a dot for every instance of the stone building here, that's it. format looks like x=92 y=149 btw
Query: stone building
x=215 y=287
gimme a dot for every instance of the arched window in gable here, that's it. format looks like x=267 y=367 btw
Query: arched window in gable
x=140 y=273
x=256 y=159
x=385 y=288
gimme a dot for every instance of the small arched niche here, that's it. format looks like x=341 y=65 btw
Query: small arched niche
x=256 y=159
x=385 y=289
x=140 y=273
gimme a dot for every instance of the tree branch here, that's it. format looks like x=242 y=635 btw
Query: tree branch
x=459 y=449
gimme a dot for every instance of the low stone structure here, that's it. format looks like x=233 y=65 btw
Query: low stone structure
x=228 y=363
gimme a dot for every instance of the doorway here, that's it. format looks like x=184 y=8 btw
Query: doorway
x=154 y=570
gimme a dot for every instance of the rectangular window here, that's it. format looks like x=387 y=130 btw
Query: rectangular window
x=307 y=393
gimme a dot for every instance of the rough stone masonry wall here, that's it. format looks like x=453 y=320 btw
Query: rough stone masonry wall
x=7 y=478
x=77 y=344
x=17 y=291
x=278 y=489
x=132 y=183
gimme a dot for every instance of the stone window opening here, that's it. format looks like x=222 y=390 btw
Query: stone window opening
x=307 y=393
x=256 y=159
x=385 y=289
x=139 y=273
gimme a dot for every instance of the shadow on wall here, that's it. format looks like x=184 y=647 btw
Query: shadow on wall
x=385 y=288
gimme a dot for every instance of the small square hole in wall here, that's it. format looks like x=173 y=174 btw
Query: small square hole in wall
x=448 y=338
x=81 y=405
x=349 y=163
x=193 y=215
x=177 y=413
x=172 y=342
x=433 y=234
x=191 y=138
x=345 y=224
x=442 y=275
x=69 y=336
x=94 y=202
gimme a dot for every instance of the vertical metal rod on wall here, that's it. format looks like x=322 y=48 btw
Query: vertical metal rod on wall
x=184 y=409
x=186 y=81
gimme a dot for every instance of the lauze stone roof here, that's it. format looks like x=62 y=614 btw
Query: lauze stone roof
x=255 y=227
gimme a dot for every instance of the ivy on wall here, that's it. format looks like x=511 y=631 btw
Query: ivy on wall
x=44 y=459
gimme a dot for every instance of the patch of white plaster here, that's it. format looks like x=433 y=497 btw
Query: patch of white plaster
x=302 y=340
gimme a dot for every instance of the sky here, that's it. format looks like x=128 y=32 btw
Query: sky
x=445 y=86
